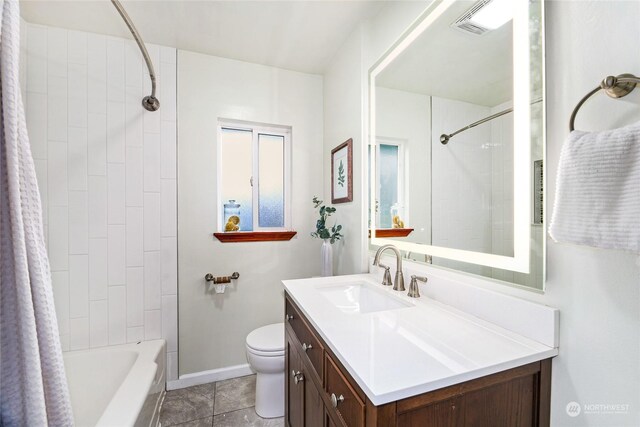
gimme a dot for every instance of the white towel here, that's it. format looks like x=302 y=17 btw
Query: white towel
x=598 y=190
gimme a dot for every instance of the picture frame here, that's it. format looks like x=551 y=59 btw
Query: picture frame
x=342 y=172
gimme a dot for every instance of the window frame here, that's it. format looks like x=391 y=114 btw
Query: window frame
x=402 y=166
x=256 y=130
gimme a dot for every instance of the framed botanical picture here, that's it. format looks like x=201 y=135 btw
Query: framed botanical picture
x=342 y=172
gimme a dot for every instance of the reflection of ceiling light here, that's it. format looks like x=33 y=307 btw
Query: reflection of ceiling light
x=494 y=14
x=484 y=16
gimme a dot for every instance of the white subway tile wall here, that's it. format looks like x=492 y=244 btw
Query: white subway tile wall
x=107 y=175
x=465 y=169
x=98 y=323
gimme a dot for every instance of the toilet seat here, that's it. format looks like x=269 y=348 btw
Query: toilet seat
x=267 y=341
x=265 y=353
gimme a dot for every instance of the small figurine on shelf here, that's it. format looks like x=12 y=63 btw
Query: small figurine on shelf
x=232 y=223
x=397 y=222
x=232 y=216
x=396 y=216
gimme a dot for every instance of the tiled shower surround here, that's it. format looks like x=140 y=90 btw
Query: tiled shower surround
x=107 y=175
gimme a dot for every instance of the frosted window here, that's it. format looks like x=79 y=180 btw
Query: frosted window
x=271 y=173
x=254 y=169
x=388 y=167
x=236 y=172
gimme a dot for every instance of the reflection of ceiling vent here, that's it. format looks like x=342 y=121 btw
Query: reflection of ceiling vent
x=464 y=22
x=470 y=27
x=485 y=15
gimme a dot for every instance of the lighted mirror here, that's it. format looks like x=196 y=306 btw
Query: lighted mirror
x=457 y=140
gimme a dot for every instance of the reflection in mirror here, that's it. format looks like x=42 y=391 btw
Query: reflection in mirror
x=444 y=133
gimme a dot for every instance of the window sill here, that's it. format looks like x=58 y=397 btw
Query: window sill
x=392 y=232
x=254 y=236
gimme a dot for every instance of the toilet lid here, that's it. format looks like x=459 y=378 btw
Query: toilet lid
x=268 y=338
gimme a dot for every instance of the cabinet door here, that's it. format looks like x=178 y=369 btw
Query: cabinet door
x=445 y=413
x=313 y=405
x=294 y=389
x=329 y=421
x=509 y=404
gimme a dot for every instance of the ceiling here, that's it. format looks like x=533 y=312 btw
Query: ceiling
x=448 y=63
x=296 y=35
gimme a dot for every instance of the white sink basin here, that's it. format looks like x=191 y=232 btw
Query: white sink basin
x=361 y=297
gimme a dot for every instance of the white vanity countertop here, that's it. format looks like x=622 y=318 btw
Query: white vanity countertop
x=399 y=353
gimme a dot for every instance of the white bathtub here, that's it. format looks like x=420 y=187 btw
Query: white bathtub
x=120 y=385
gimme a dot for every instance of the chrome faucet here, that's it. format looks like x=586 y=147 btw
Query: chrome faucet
x=398 y=283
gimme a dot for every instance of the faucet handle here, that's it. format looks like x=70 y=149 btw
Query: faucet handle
x=414 y=289
x=386 y=280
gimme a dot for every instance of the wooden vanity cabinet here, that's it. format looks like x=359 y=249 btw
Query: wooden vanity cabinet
x=320 y=392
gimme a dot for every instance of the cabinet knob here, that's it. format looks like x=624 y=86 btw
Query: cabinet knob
x=298 y=377
x=336 y=399
x=288 y=317
x=306 y=347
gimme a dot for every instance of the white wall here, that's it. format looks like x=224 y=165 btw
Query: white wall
x=597 y=291
x=107 y=176
x=213 y=327
x=343 y=119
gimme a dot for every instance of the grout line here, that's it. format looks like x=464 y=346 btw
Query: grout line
x=189 y=421
x=213 y=409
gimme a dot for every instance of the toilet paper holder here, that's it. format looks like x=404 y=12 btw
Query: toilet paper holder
x=220 y=282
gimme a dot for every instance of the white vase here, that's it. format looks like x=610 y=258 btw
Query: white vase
x=326 y=254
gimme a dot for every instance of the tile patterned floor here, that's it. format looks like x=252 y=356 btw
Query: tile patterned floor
x=227 y=403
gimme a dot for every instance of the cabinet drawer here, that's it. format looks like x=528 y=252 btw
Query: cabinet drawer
x=347 y=403
x=311 y=346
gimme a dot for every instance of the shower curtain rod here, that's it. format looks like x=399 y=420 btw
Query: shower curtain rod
x=150 y=103
x=444 y=138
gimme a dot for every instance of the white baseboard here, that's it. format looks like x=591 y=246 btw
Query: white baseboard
x=204 y=377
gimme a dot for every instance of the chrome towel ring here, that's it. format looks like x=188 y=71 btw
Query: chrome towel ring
x=613 y=86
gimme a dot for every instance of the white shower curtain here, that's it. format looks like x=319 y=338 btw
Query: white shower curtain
x=33 y=386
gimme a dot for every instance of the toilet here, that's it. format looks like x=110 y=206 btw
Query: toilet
x=265 y=354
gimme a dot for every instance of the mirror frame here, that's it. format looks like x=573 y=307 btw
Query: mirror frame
x=521 y=152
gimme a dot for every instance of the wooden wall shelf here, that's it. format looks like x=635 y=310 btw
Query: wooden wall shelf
x=392 y=232
x=254 y=236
